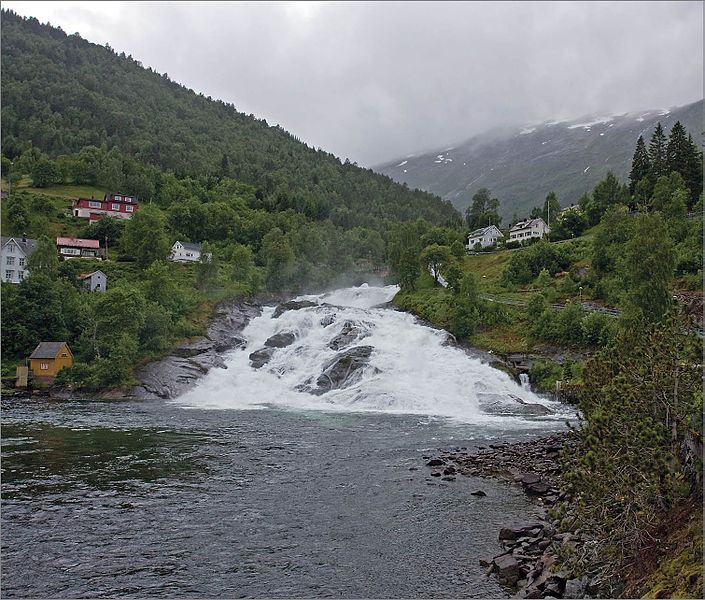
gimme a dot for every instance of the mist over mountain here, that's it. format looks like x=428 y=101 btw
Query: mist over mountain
x=520 y=165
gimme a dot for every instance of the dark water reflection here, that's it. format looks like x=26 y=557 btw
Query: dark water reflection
x=146 y=499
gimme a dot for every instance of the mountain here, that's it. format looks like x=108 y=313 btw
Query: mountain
x=520 y=165
x=62 y=94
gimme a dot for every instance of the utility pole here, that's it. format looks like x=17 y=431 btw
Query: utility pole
x=106 y=247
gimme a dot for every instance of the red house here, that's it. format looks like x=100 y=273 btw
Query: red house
x=114 y=204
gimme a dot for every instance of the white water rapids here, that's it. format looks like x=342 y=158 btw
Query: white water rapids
x=411 y=370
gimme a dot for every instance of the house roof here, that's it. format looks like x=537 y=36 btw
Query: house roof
x=189 y=245
x=527 y=224
x=77 y=243
x=88 y=275
x=26 y=245
x=47 y=349
x=483 y=231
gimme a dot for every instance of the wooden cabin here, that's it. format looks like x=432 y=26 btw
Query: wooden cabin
x=48 y=359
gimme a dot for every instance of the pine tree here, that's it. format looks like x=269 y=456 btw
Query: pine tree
x=657 y=153
x=641 y=165
x=678 y=149
x=693 y=171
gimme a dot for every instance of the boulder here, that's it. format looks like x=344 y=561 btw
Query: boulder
x=343 y=370
x=536 y=489
x=261 y=357
x=574 y=589
x=349 y=334
x=435 y=462
x=512 y=406
x=280 y=340
x=507 y=569
x=478 y=493
x=507 y=533
x=292 y=305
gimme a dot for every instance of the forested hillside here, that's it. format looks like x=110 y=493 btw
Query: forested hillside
x=64 y=96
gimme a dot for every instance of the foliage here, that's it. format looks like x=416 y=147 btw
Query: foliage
x=144 y=237
x=44 y=260
x=525 y=265
x=435 y=258
x=641 y=402
x=483 y=210
x=647 y=271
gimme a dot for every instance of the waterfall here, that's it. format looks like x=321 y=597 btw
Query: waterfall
x=524 y=379
x=401 y=366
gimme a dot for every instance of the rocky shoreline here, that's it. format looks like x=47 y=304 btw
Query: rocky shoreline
x=529 y=565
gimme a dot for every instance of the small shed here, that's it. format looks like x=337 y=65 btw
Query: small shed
x=48 y=359
x=97 y=281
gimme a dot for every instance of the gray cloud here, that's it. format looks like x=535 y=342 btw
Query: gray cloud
x=375 y=81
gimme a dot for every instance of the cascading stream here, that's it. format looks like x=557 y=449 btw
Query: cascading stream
x=351 y=354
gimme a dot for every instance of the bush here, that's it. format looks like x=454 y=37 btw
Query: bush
x=598 y=329
x=526 y=266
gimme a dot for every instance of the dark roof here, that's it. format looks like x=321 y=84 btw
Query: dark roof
x=190 y=246
x=47 y=349
x=87 y=275
x=26 y=244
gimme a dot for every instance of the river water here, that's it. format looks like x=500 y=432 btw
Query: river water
x=247 y=487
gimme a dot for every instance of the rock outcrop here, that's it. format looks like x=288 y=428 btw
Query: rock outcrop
x=175 y=374
x=292 y=305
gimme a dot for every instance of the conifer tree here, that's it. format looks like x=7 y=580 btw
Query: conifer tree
x=657 y=153
x=641 y=165
x=678 y=149
x=693 y=171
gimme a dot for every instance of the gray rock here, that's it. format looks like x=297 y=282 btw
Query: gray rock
x=292 y=305
x=507 y=533
x=512 y=406
x=261 y=357
x=343 y=370
x=280 y=340
x=574 y=589
x=507 y=569
x=349 y=334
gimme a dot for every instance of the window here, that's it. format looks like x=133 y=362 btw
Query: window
x=71 y=251
x=117 y=197
x=94 y=204
x=10 y=260
x=44 y=366
x=115 y=206
x=8 y=275
x=20 y=275
x=21 y=262
x=11 y=248
x=129 y=208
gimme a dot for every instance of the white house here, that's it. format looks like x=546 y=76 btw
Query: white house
x=97 y=281
x=530 y=228
x=14 y=253
x=185 y=252
x=487 y=236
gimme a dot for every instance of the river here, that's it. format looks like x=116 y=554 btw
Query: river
x=250 y=486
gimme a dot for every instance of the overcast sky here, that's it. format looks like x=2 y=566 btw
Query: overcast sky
x=376 y=81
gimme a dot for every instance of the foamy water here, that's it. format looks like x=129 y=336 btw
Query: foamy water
x=411 y=370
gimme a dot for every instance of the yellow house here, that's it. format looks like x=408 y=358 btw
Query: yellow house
x=48 y=359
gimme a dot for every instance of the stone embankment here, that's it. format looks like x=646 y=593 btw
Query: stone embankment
x=529 y=565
